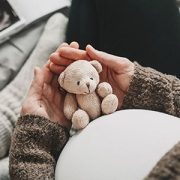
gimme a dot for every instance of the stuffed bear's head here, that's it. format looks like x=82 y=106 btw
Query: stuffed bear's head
x=80 y=77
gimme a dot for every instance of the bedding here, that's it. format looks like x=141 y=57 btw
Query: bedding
x=15 y=51
x=16 y=77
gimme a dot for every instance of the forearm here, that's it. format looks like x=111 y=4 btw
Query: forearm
x=150 y=89
x=35 y=147
x=168 y=167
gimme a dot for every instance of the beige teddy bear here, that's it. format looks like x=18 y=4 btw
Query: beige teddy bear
x=86 y=99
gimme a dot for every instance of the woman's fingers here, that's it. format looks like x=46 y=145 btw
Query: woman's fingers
x=57 y=69
x=37 y=83
x=48 y=75
x=58 y=60
x=113 y=62
x=48 y=91
x=62 y=45
x=55 y=83
x=73 y=54
x=74 y=45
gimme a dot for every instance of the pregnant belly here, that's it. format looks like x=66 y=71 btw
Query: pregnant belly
x=124 y=145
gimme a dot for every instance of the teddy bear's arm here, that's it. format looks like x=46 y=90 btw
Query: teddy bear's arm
x=70 y=105
x=110 y=101
x=104 y=89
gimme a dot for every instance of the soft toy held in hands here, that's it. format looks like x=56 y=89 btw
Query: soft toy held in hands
x=86 y=99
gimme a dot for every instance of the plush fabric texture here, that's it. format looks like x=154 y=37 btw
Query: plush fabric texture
x=34 y=148
x=86 y=99
x=12 y=96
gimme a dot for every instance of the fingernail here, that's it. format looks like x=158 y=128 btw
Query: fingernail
x=89 y=46
x=74 y=44
x=64 y=44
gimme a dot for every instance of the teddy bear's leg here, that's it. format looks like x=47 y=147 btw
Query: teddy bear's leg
x=70 y=105
x=109 y=104
x=80 y=119
x=104 y=89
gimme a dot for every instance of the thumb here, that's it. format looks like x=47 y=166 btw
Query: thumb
x=37 y=83
x=111 y=61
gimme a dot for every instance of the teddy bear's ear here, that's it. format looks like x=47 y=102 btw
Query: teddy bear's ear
x=61 y=79
x=96 y=65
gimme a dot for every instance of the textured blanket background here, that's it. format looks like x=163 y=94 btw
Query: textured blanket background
x=36 y=53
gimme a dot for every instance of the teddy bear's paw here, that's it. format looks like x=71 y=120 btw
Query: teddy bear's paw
x=80 y=119
x=104 y=89
x=109 y=104
x=73 y=131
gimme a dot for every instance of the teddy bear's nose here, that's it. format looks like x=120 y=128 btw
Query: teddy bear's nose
x=87 y=84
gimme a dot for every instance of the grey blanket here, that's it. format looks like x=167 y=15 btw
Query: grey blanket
x=14 y=52
x=17 y=64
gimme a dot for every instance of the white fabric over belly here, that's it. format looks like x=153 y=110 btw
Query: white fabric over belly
x=122 y=146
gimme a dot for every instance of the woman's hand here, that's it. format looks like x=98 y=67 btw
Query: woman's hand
x=44 y=98
x=117 y=71
x=58 y=62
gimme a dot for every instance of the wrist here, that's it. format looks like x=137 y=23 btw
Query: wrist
x=43 y=128
x=130 y=74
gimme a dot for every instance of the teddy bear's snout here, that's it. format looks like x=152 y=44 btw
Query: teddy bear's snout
x=88 y=85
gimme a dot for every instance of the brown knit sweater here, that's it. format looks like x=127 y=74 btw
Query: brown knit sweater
x=37 y=142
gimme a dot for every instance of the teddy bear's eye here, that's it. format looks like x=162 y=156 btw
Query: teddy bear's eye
x=78 y=83
x=91 y=78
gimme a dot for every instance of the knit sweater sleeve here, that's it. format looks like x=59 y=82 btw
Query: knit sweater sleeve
x=152 y=90
x=35 y=147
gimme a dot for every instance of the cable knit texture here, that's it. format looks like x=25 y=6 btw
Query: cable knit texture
x=36 y=145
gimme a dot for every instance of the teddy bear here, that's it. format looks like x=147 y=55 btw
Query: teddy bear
x=86 y=99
